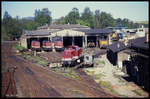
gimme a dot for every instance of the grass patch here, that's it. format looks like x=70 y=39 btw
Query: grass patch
x=90 y=72
x=138 y=93
x=43 y=63
x=105 y=84
x=67 y=72
x=108 y=87
x=98 y=76
x=101 y=62
x=18 y=47
x=35 y=59
x=119 y=77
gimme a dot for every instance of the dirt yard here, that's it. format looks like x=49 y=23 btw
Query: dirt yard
x=33 y=80
x=109 y=77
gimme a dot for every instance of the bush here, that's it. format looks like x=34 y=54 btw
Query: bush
x=18 y=47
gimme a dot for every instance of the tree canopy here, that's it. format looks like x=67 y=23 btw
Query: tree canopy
x=43 y=17
x=12 y=27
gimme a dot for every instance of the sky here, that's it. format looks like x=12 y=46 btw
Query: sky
x=134 y=11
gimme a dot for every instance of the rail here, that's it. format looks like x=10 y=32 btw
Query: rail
x=10 y=91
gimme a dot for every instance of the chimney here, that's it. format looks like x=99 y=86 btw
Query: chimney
x=147 y=37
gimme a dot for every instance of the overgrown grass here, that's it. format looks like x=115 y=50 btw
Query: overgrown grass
x=119 y=77
x=101 y=62
x=107 y=86
x=138 y=93
x=67 y=72
x=35 y=59
x=18 y=47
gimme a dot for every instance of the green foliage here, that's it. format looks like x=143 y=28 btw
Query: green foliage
x=97 y=20
x=81 y=22
x=43 y=17
x=67 y=72
x=137 y=92
x=12 y=27
x=30 y=25
x=35 y=59
x=18 y=47
x=62 y=20
x=4 y=33
x=101 y=62
x=72 y=16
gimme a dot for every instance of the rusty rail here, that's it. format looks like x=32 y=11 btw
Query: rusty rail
x=9 y=85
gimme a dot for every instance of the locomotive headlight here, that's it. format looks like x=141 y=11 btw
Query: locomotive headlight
x=78 y=60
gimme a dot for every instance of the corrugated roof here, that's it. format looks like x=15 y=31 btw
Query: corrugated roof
x=137 y=43
x=114 y=47
x=95 y=31
x=99 y=31
x=140 y=43
x=40 y=32
x=63 y=26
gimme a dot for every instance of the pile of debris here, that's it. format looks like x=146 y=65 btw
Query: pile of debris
x=51 y=57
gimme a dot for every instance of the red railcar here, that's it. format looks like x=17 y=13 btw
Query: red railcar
x=35 y=45
x=47 y=45
x=71 y=56
x=58 y=45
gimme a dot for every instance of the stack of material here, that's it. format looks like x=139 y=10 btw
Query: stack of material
x=52 y=57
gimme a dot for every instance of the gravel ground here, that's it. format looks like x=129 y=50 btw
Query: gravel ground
x=121 y=86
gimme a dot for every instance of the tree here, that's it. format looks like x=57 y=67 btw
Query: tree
x=97 y=19
x=6 y=20
x=76 y=13
x=12 y=27
x=30 y=25
x=106 y=20
x=87 y=16
x=43 y=17
x=73 y=16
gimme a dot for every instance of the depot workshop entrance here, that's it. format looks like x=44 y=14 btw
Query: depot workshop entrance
x=77 y=40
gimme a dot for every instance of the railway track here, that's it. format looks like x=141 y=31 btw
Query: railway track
x=8 y=84
x=32 y=80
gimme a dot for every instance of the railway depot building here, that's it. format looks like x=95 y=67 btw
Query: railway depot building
x=70 y=35
x=132 y=59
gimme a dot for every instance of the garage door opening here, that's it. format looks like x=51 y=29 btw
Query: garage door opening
x=29 y=40
x=42 y=39
x=91 y=41
x=67 y=41
x=78 y=41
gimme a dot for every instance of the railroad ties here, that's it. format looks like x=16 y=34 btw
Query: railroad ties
x=8 y=83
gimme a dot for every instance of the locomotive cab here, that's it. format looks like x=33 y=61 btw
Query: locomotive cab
x=67 y=57
x=71 y=55
x=58 y=44
x=46 y=45
x=35 y=45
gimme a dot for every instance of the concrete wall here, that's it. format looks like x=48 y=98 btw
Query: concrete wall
x=23 y=41
x=121 y=57
x=67 y=32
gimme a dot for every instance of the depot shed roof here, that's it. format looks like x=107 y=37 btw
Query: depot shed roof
x=39 y=32
x=140 y=43
x=114 y=47
x=95 y=31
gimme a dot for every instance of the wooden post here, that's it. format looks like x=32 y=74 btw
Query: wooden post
x=96 y=41
x=73 y=40
x=86 y=41
x=83 y=42
x=34 y=52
